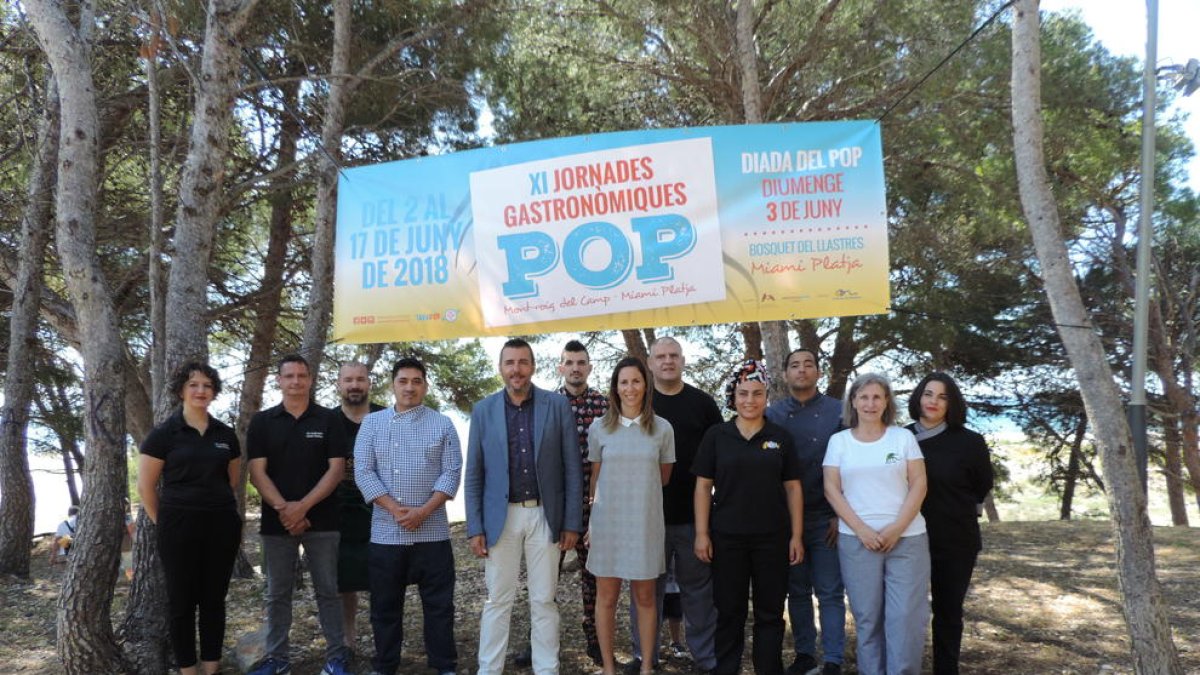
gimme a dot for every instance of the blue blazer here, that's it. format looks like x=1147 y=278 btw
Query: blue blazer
x=556 y=455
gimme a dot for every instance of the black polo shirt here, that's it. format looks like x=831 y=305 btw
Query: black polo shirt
x=297 y=451
x=748 y=477
x=196 y=467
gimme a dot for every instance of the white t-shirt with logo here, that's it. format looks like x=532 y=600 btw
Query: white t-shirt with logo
x=875 y=476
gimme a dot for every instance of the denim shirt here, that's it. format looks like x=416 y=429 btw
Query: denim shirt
x=811 y=424
x=522 y=467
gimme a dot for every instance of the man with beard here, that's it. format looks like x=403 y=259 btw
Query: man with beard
x=354 y=389
x=812 y=417
x=588 y=404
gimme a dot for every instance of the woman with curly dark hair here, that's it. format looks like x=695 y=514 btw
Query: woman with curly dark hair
x=199 y=530
x=958 y=468
x=749 y=519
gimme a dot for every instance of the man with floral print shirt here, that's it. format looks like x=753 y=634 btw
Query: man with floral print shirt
x=588 y=404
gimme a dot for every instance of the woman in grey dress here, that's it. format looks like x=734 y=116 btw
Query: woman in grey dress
x=626 y=531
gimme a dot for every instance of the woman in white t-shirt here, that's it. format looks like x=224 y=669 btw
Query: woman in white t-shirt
x=875 y=481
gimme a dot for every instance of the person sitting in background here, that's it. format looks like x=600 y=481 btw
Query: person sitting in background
x=63 y=537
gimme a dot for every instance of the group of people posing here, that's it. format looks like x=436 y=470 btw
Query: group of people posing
x=807 y=495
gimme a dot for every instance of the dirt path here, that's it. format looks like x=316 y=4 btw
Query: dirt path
x=1044 y=601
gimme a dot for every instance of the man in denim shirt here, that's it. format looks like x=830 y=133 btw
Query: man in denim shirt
x=812 y=417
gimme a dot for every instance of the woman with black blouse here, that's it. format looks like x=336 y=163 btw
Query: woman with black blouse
x=199 y=531
x=959 y=471
x=749 y=518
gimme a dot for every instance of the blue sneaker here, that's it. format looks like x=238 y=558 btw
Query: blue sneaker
x=335 y=666
x=271 y=666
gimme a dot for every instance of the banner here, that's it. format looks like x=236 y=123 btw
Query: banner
x=622 y=230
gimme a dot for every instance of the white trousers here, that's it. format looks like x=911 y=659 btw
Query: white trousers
x=525 y=532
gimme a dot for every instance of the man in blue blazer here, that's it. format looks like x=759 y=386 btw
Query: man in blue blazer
x=524 y=496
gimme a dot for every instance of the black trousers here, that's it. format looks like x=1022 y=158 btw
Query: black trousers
x=429 y=565
x=197 y=549
x=950 y=576
x=742 y=563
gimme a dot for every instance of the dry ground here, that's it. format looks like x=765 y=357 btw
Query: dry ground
x=1044 y=601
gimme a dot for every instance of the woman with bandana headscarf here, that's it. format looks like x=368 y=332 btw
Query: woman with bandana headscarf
x=749 y=519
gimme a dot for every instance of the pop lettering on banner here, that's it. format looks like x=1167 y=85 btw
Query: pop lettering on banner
x=558 y=238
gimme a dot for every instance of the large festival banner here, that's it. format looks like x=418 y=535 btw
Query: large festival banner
x=622 y=230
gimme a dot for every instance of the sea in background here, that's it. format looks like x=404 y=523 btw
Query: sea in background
x=1025 y=497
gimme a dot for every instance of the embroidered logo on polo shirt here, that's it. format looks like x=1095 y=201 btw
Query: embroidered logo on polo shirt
x=314 y=434
x=220 y=445
x=771 y=445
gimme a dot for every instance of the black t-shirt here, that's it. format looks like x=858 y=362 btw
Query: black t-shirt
x=748 y=477
x=196 y=467
x=297 y=451
x=691 y=412
x=351 y=427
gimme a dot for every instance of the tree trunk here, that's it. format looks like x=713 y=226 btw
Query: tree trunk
x=201 y=186
x=1143 y=605
x=266 y=311
x=85 y=637
x=634 y=346
x=806 y=331
x=320 y=300
x=158 y=287
x=54 y=403
x=845 y=351
x=139 y=414
x=144 y=627
x=1174 y=472
x=16 y=483
x=773 y=346
x=1164 y=355
x=1183 y=404
x=1073 y=470
x=989 y=507
x=752 y=337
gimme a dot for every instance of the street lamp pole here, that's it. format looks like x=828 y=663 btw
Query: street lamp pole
x=1141 y=316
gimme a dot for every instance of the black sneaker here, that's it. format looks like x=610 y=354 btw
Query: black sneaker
x=593 y=652
x=523 y=658
x=634 y=667
x=831 y=668
x=804 y=664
